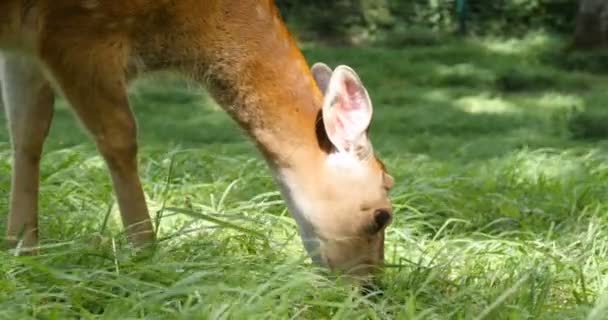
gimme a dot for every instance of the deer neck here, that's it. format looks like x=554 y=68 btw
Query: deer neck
x=256 y=72
x=276 y=102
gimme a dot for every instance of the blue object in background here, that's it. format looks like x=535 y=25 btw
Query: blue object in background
x=462 y=10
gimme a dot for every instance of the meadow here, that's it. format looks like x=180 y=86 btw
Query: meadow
x=498 y=148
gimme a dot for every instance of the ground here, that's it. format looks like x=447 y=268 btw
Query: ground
x=501 y=167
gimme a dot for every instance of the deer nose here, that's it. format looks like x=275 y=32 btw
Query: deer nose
x=382 y=217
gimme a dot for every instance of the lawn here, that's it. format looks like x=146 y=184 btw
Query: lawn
x=498 y=148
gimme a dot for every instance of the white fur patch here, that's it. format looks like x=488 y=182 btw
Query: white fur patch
x=299 y=207
x=347 y=161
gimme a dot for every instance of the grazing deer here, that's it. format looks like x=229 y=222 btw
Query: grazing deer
x=310 y=124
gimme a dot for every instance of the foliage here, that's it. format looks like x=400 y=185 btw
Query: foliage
x=500 y=201
x=368 y=20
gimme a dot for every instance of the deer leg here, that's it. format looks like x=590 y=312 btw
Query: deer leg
x=92 y=79
x=28 y=101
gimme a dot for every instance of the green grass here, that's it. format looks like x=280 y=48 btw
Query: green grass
x=501 y=167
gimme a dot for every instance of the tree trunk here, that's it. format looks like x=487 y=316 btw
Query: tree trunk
x=591 y=25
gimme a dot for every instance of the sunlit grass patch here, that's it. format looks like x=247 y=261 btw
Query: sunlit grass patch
x=500 y=201
x=485 y=104
x=554 y=100
x=530 y=43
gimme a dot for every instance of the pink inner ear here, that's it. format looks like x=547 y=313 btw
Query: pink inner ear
x=351 y=106
x=350 y=95
x=349 y=112
x=353 y=90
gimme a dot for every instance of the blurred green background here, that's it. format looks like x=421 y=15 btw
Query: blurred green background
x=393 y=21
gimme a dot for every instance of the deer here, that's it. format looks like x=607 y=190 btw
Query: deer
x=310 y=123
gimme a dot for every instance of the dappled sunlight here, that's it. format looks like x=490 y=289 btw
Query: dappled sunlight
x=95 y=162
x=453 y=264
x=532 y=41
x=557 y=101
x=437 y=95
x=535 y=166
x=464 y=71
x=484 y=103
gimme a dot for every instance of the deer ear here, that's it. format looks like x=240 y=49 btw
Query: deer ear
x=347 y=111
x=322 y=73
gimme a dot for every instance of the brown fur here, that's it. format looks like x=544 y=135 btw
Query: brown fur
x=90 y=49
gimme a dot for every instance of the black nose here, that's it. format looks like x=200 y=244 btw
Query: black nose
x=382 y=217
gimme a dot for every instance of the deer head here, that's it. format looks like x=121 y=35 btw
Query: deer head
x=340 y=199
